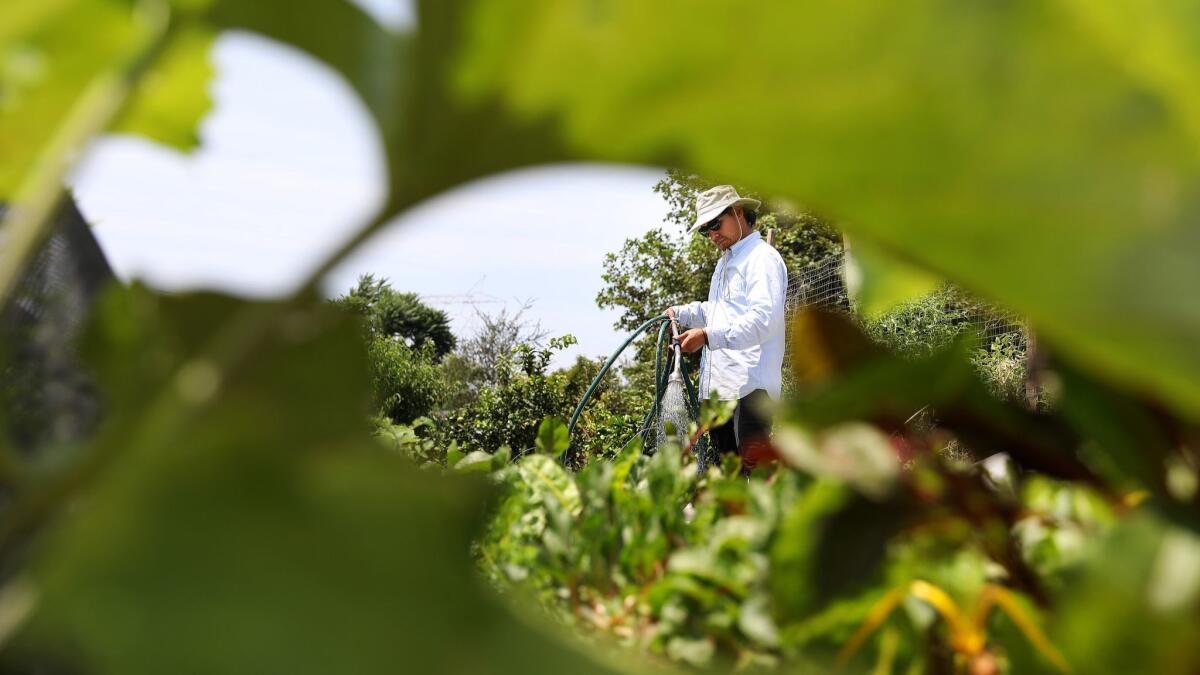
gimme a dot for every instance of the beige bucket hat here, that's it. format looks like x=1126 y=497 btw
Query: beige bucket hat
x=711 y=202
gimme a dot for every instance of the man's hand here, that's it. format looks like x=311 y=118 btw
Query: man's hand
x=692 y=340
x=670 y=313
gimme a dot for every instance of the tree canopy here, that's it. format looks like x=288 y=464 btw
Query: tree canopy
x=399 y=315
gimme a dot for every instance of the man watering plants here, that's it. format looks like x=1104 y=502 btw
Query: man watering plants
x=741 y=325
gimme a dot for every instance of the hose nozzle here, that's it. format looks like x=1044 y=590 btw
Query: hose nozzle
x=676 y=372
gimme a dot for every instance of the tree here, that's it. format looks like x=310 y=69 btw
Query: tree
x=485 y=352
x=399 y=315
x=655 y=271
x=405 y=340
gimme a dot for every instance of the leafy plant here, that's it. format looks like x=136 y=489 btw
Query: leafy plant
x=508 y=413
x=612 y=549
x=405 y=382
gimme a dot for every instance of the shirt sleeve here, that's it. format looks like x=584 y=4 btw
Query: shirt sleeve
x=693 y=314
x=766 y=289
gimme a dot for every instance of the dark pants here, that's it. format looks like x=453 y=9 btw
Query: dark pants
x=747 y=433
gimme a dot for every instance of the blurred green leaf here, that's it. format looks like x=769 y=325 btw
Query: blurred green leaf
x=889 y=391
x=855 y=453
x=697 y=652
x=755 y=620
x=173 y=97
x=454 y=455
x=715 y=412
x=1133 y=606
x=49 y=53
x=269 y=533
x=553 y=437
x=624 y=462
x=550 y=483
x=830 y=545
x=1041 y=156
x=475 y=462
x=879 y=282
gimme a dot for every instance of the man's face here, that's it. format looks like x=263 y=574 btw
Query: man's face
x=728 y=233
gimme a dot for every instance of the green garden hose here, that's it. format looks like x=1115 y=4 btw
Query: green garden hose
x=661 y=372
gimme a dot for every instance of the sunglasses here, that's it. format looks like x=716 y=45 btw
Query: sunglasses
x=713 y=224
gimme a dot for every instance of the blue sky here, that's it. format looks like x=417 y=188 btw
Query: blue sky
x=290 y=166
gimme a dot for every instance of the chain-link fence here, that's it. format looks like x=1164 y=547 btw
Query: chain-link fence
x=823 y=286
x=46 y=398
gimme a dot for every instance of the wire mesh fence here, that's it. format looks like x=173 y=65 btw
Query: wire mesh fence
x=46 y=397
x=823 y=286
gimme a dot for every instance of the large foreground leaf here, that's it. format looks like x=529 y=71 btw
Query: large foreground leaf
x=49 y=53
x=1037 y=152
x=174 y=97
x=252 y=525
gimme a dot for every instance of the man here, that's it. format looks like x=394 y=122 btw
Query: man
x=741 y=325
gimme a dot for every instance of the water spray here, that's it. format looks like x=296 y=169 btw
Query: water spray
x=674 y=415
x=675 y=402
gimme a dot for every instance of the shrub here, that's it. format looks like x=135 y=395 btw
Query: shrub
x=405 y=382
x=509 y=412
x=1003 y=365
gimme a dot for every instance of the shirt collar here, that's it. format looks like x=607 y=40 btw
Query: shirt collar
x=744 y=243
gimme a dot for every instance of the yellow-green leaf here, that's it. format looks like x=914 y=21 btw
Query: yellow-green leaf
x=173 y=97
x=49 y=54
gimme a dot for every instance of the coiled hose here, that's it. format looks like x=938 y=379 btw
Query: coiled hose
x=662 y=370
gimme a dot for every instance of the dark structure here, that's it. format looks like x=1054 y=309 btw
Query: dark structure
x=46 y=397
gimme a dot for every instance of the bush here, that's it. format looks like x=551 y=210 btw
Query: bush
x=613 y=414
x=405 y=382
x=413 y=441
x=924 y=325
x=508 y=413
x=1003 y=365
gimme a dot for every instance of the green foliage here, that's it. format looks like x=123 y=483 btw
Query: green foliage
x=263 y=484
x=483 y=359
x=610 y=549
x=508 y=414
x=399 y=316
x=722 y=571
x=616 y=410
x=931 y=322
x=1004 y=365
x=1129 y=606
x=413 y=441
x=654 y=272
x=173 y=96
x=927 y=324
x=405 y=382
x=878 y=282
x=405 y=341
x=934 y=321
x=49 y=54
x=552 y=437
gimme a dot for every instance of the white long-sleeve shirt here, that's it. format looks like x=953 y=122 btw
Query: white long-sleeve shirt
x=744 y=320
